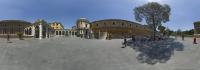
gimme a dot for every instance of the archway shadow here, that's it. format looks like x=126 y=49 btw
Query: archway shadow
x=152 y=52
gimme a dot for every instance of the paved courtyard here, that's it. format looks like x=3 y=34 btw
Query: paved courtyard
x=83 y=54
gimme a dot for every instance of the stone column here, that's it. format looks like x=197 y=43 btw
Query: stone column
x=40 y=31
x=24 y=32
x=1 y=31
x=64 y=32
x=70 y=33
x=47 y=32
x=33 y=31
x=54 y=32
x=60 y=33
x=99 y=34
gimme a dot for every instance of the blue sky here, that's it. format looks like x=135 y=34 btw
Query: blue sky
x=183 y=14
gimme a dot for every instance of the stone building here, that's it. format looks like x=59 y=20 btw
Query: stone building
x=12 y=27
x=39 y=29
x=110 y=28
x=83 y=28
x=118 y=28
x=59 y=29
x=197 y=28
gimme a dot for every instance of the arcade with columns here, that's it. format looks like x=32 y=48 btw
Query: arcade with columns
x=40 y=29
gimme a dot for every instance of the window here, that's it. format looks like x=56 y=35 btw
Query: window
x=56 y=32
x=104 y=24
x=122 y=24
x=113 y=23
x=86 y=25
x=97 y=25
x=63 y=32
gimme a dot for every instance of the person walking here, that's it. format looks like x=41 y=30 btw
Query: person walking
x=194 y=40
x=182 y=37
x=124 y=43
x=8 y=38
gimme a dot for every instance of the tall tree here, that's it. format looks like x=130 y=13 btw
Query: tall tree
x=154 y=13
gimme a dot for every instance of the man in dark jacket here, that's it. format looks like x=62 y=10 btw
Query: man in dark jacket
x=124 y=43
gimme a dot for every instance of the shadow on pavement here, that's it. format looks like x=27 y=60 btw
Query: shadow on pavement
x=152 y=52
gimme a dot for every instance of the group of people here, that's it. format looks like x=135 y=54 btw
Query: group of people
x=194 y=39
x=144 y=39
x=133 y=38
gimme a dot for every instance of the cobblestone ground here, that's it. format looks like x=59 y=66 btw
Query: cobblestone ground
x=83 y=54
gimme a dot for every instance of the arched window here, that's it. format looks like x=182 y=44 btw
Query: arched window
x=122 y=24
x=59 y=32
x=56 y=32
x=113 y=23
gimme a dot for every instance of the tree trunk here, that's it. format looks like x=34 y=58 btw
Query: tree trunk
x=154 y=28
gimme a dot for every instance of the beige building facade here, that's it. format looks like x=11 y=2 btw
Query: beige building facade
x=39 y=29
x=83 y=28
x=12 y=27
x=118 y=28
x=110 y=28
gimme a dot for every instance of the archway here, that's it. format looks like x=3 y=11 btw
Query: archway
x=36 y=32
x=44 y=32
x=29 y=31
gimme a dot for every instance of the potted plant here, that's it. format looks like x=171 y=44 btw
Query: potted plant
x=20 y=35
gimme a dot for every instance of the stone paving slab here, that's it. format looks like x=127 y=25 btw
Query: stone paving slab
x=84 y=54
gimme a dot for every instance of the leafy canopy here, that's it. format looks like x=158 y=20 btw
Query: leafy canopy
x=153 y=11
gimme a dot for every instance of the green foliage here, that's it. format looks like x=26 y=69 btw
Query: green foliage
x=153 y=10
x=40 y=21
x=20 y=35
x=197 y=23
x=161 y=29
x=178 y=32
x=189 y=32
x=169 y=32
x=154 y=13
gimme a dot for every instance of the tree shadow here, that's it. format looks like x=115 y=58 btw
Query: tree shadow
x=152 y=52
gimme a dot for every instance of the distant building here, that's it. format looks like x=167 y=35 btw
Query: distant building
x=118 y=28
x=197 y=28
x=110 y=28
x=12 y=27
x=39 y=29
x=59 y=29
x=83 y=28
x=73 y=31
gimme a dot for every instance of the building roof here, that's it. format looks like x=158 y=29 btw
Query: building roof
x=83 y=20
x=116 y=20
x=58 y=23
x=14 y=21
